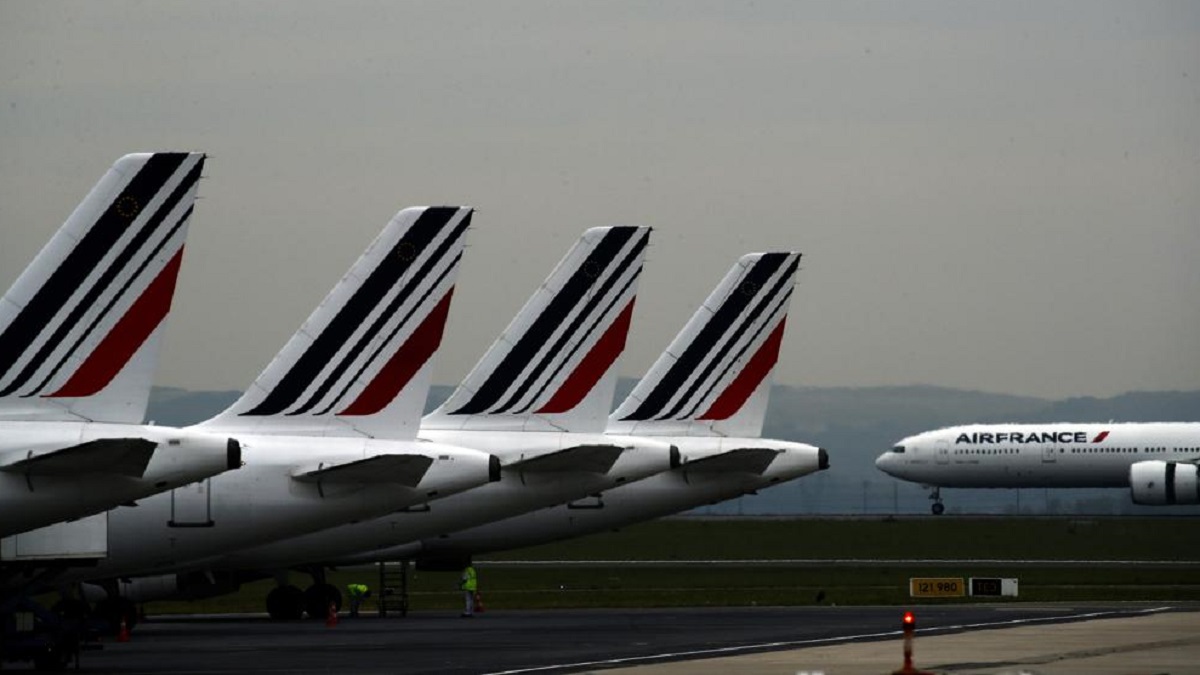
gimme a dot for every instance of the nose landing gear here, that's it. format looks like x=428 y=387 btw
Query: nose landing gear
x=938 y=507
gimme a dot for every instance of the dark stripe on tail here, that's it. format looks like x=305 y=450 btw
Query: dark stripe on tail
x=573 y=334
x=593 y=366
x=579 y=343
x=382 y=319
x=99 y=239
x=119 y=264
x=352 y=315
x=540 y=331
x=127 y=337
x=404 y=364
x=382 y=345
x=735 y=395
x=770 y=322
x=720 y=323
x=782 y=285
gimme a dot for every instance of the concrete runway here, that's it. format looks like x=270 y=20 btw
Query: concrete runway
x=753 y=639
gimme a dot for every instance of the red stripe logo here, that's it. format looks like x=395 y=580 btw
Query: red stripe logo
x=592 y=367
x=1100 y=436
x=404 y=364
x=123 y=341
x=735 y=395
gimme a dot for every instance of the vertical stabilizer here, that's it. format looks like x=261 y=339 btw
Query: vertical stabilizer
x=555 y=366
x=80 y=329
x=361 y=364
x=715 y=378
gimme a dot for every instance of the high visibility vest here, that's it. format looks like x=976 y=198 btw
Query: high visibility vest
x=357 y=590
x=469 y=582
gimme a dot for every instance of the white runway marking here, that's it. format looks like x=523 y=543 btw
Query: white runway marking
x=722 y=651
x=834 y=561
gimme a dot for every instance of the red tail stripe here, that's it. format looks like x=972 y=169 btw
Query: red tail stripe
x=404 y=364
x=124 y=340
x=734 y=397
x=592 y=367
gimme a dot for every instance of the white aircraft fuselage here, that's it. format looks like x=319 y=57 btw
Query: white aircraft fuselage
x=682 y=488
x=271 y=498
x=1038 y=455
x=521 y=488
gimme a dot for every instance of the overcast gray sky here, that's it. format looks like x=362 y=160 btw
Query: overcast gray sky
x=1001 y=196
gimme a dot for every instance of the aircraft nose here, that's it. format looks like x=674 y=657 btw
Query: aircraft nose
x=884 y=462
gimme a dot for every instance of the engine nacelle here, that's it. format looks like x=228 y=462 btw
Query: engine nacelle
x=187 y=586
x=1156 y=483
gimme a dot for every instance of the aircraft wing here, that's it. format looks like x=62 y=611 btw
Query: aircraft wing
x=124 y=456
x=406 y=470
x=589 y=458
x=745 y=460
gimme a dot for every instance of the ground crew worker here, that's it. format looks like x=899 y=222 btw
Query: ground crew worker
x=469 y=584
x=357 y=593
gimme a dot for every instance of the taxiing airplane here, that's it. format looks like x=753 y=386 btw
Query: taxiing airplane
x=706 y=394
x=1157 y=461
x=79 y=337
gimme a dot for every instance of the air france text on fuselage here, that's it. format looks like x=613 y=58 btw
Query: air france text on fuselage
x=1028 y=437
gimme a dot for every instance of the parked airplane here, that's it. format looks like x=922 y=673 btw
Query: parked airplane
x=706 y=394
x=329 y=428
x=1157 y=461
x=79 y=337
x=538 y=400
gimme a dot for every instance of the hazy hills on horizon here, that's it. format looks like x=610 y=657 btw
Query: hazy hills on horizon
x=855 y=424
x=822 y=406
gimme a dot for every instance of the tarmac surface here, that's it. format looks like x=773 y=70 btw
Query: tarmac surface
x=992 y=638
x=1166 y=642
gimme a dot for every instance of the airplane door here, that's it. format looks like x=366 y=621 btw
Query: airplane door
x=191 y=505
x=942 y=452
x=1048 y=456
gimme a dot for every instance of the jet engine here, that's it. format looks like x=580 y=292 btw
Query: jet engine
x=187 y=586
x=1157 y=483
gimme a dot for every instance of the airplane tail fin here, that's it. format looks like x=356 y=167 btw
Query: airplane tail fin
x=554 y=367
x=361 y=364
x=80 y=328
x=715 y=378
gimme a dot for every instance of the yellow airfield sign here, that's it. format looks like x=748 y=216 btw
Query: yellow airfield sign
x=937 y=587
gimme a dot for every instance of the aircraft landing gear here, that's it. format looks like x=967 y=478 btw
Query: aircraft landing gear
x=938 y=507
x=285 y=603
x=317 y=599
x=320 y=595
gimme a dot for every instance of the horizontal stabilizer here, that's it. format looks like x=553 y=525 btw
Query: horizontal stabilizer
x=746 y=460
x=406 y=470
x=589 y=458
x=122 y=456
